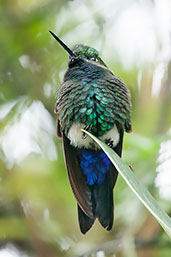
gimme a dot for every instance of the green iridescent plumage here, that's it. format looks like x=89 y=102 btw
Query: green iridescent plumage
x=91 y=94
x=88 y=53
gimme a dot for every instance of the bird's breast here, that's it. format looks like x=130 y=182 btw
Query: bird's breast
x=90 y=105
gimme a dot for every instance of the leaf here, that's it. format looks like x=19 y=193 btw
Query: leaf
x=142 y=193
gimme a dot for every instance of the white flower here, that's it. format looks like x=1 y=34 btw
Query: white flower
x=163 y=179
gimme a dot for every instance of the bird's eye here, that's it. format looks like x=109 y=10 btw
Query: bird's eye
x=94 y=59
x=73 y=61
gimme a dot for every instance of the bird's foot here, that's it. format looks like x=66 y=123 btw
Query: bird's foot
x=131 y=168
x=84 y=135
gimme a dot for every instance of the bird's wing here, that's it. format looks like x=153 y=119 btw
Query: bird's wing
x=77 y=178
x=118 y=150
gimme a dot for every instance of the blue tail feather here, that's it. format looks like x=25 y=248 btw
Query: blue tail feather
x=94 y=164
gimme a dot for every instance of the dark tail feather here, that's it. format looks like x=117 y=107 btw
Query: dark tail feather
x=102 y=199
x=84 y=221
x=103 y=195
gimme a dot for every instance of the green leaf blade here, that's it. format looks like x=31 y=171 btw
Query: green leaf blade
x=142 y=193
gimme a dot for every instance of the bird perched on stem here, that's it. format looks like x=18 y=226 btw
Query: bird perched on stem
x=91 y=97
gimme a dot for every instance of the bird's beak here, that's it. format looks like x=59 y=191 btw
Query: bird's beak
x=69 y=51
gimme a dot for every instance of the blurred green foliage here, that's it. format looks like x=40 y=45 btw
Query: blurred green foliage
x=37 y=209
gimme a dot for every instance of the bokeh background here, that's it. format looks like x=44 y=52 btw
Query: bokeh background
x=38 y=215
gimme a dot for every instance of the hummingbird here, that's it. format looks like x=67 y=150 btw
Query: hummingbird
x=92 y=98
